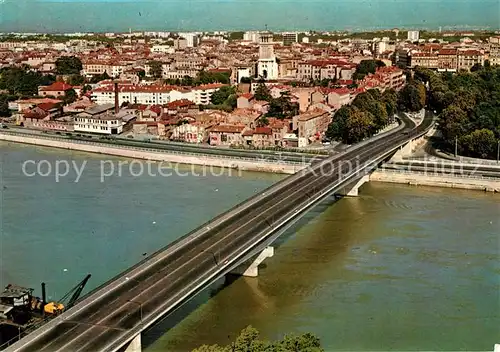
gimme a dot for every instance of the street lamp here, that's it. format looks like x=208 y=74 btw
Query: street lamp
x=132 y=301
x=213 y=255
x=498 y=151
x=140 y=306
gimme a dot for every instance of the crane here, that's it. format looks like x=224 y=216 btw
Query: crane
x=55 y=308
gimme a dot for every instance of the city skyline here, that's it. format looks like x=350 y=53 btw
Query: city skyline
x=52 y=16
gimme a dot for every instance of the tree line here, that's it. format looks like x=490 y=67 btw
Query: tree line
x=249 y=341
x=368 y=113
x=468 y=107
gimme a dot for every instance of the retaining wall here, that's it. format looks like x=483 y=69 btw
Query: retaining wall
x=142 y=153
x=416 y=178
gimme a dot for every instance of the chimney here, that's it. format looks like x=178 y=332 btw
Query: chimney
x=117 y=104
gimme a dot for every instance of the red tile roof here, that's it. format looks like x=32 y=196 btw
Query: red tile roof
x=56 y=87
x=180 y=103
x=263 y=130
x=228 y=129
x=247 y=96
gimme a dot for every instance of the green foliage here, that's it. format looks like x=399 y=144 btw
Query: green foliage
x=367 y=66
x=22 y=81
x=70 y=96
x=248 y=341
x=205 y=77
x=225 y=98
x=479 y=143
x=245 y=80
x=97 y=78
x=368 y=113
x=155 y=69
x=282 y=107
x=68 y=65
x=236 y=35
x=468 y=104
x=86 y=88
x=412 y=97
x=76 y=80
x=262 y=122
x=4 y=105
x=262 y=92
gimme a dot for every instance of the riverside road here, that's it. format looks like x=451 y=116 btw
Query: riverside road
x=111 y=315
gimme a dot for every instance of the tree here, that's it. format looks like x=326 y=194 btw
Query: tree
x=479 y=143
x=337 y=130
x=4 y=106
x=187 y=81
x=411 y=99
x=246 y=80
x=68 y=65
x=262 y=92
x=22 y=81
x=248 y=341
x=70 y=96
x=98 y=78
x=76 y=80
x=453 y=121
x=86 y=88
x=262 y=122
x=367 y=66
x=282 y=107
x=225 y=98
x=476 y=67
x=221 y=95
x=155 y=69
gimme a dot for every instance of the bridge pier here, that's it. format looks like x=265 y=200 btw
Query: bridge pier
x=352 y=190
x=251 y=268
x=135 y=345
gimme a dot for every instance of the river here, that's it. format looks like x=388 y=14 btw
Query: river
x=58 y=230
x=399 y=268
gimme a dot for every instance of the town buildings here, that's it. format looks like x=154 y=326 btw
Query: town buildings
x=318 y=78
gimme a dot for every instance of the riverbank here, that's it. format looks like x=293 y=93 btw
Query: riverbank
x=244 y=164
x=417 y=178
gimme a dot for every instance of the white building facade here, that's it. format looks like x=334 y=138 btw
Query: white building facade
x=160 y=95
x=103 y=125
x=267 y=66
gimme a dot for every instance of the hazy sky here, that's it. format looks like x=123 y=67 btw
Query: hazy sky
x=120 y=15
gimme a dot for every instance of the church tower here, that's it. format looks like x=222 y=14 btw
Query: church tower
x=267 y=67
x=266 y=48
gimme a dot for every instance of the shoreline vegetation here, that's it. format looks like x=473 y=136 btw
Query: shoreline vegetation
x=249 y=341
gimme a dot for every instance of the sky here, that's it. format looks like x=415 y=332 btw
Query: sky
x=177 y=15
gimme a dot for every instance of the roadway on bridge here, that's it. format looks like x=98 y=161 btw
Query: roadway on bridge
x=106 y=322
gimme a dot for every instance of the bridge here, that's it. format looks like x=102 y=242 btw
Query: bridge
x=112 y=317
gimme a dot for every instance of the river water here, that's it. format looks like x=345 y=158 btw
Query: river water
x=399 y=268
x=58 y=232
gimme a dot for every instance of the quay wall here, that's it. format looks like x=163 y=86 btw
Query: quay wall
x=436 y=180
x=145 y=154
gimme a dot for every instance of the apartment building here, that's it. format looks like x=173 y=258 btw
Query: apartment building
x=101 y=119
x=447 y=60
x=425 y=59
x=466 y=59
x=154 y=94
